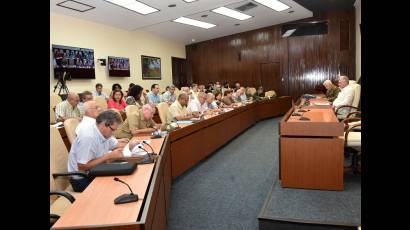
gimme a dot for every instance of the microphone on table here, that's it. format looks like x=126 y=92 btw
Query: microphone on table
x=148 y=159
x=125 y=198
x=302 y=118
x=145 y=142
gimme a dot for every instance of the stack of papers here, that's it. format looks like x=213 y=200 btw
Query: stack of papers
x=321 y=103
x=184 y=122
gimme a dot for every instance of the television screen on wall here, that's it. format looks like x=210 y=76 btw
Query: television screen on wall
x=74 y=61
x=118 y=66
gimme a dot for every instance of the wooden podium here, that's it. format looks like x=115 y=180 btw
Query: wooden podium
x=311 y=151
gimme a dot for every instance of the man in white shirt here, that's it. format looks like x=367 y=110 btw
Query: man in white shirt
x=198 y=104
x=345 y=97
x=91 y=111
x=169 y=96
x=94 y=146
x=239 y=95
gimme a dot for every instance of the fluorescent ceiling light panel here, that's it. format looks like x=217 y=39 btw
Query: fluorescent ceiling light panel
x=74 y=5
x=193 y=22
x=231 y=13
x=134 y=5
x=273 y=4
x=288 y=33
x=189 y=1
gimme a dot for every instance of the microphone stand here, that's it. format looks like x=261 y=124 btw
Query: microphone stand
x=125 y=198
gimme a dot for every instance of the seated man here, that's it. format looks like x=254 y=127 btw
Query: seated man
x=85 y=96
x=194 y=90
x=188 y=92
x=345 y=97
x=154 y=96
x=178 y=109
x=239 y=95
x=210 y=99
x=139 y=120
x=169 y=96
x=91 y=111
x=98 y=91
x=68 y=108
x=199 y=104
x=227 y=99
x=331 y=90
x=94 y=146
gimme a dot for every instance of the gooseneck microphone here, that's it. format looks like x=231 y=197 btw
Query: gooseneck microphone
x=125 y=198
x=145 y=142
x=139 y=146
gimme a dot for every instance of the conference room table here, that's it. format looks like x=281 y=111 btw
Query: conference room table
x=311 y=150
x=178 y=151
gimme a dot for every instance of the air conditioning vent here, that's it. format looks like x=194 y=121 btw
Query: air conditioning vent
x=246 y=7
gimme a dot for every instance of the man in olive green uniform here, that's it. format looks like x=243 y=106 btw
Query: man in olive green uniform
x=331 y=90
x=139 y=120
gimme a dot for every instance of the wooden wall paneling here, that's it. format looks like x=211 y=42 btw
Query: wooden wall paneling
x=305 y=61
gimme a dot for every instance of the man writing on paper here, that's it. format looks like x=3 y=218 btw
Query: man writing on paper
x=138 y=121
x=94 y=146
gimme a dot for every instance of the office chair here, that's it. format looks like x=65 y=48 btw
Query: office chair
x=61 y=193
x=70 y=125
x=162 y=111
x=54 y=100
x=352 y=141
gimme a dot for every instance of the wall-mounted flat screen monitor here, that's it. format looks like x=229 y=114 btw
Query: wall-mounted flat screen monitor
x=74 y=61
x=118 y=66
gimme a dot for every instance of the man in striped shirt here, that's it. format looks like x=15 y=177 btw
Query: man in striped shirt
x=68 y=108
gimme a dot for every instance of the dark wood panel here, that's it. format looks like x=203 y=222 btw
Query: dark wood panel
x=305 y=61
x=179 y=71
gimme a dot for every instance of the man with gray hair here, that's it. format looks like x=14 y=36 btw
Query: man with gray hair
x=169 y=96
x=178 y=109
x=138 y=121
x=94 y=146
x=345 y=97
x=199 y=104
x=331 y=90
x=91 y=111
x=68 y=108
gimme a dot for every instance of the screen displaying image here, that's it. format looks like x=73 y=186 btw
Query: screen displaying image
x=75 y=61
x=118 y=66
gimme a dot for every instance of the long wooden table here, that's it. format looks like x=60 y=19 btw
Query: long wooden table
x=180 y=150
x=311 y=151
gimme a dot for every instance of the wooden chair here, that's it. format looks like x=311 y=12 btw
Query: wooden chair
x=70 y=125
x=61 y=193
x=122 y=120
x=100 y=101
x=54 y=100
x=163 y=111
x=251 y=91
x=352 y=141
x=131 y=109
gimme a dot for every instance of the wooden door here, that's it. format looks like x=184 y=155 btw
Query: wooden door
x=179 y=78
x=271 y=77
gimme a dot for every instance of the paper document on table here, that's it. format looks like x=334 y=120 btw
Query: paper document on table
x=136 y=151
x=321 y=103
x=184 y=122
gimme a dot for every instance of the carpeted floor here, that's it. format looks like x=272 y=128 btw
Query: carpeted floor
x=227 y=190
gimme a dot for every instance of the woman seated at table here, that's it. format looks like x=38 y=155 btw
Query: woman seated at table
x=134 y=96
x=117 y=101
x=218 y=99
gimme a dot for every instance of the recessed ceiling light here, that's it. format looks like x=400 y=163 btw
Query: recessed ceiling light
x=288 y=33
x=189 y=1
x=134 y=5
x=172 y=5
x=231 y=13
x=274 y=4
x=74 y=5
x=193 y=40
x=204 y=16
x=193 y=22
x=237 y=24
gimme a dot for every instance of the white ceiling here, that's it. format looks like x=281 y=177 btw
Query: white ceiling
x=160 y=23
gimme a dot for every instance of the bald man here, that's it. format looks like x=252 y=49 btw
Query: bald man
x=345 y=96
x=68 y=108
x=331 y=90
x=91 y=111
x=139 y=120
